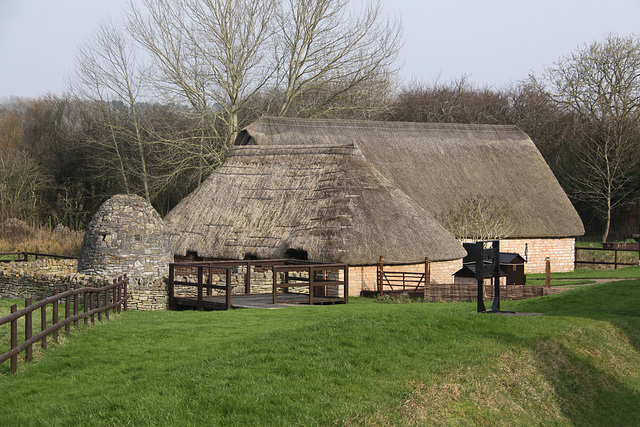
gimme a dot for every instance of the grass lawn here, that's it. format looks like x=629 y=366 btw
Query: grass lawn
x=585 y=273
x=362 y=363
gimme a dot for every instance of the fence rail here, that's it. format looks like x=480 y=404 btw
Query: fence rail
x=24 y=256
x=613 y=248
x=203 y=271
x=117 y=301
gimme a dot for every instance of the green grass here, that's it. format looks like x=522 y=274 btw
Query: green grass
x=584 y=273
x=355 y=364
x=542 y=282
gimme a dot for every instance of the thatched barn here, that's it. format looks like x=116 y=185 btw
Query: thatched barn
x=349 y=191
x=317 y=202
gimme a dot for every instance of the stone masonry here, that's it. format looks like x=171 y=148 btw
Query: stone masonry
x=126 y=236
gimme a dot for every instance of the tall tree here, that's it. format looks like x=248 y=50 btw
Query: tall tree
x=600 y=84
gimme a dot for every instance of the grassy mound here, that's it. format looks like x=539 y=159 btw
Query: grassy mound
x=361 y=363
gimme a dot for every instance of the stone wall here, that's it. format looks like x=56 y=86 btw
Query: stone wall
x=20 y=280
x=126 y=236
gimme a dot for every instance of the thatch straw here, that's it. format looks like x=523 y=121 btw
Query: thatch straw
x=326 y=200
x=440 y=166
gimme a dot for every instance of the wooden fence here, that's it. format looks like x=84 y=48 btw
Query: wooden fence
x=609 y=248
x=198 y=275
x=24 y=256
x=96 y=301
x=420 y=285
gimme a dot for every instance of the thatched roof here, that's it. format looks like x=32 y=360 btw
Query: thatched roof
x=440 y=166
x=326 y=200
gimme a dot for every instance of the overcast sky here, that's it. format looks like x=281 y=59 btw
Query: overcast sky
x=493 y=42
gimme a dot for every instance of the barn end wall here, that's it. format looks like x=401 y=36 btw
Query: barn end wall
x=561 y=252
x=365 y=277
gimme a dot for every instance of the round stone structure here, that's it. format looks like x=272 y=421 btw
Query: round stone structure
x=126 y=236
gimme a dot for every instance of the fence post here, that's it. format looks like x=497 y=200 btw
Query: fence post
x=247 y=283
x=275 y=284
x=86 y=306
x=28 y=331
x=615 y=259
x=209 y=282
x=172 y=270
x=99 y=306
x=43 y=320
x=54 y=321
x=93 y=317
x=200 y=274
x=126 y=297
x=67 y=310
x=14 y=340
x=380 y=276
x=228 y=296
x=427 y=276
x=547 y=269
x=76 y=301
x=312 y=288
x=119 y=296
x=346 y=284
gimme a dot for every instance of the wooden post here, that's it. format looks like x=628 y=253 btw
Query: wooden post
x=209 y=283
x=427 y=276
x=14 y=340
x=381 y=276
x=275 y=284
x=172 y=270
x=86 y=306
x=114 y=297
x=200 y=279
x=346 y=284
x=312 y=273
x=67 y=310
x=228 y=291
x=615 y=259
x=43 y=320
x=247 y=280
x=126 y=296
x=106 y=300
x=54 y=321
x=93 y=317
x=76 y=300
x=28 y=331
x=99 y=306
x=547 y=269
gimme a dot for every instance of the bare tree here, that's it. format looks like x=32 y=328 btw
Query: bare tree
x=330 y=51
x=600 y=84
x=109 y=73
x=478 y=218
x=298 y=57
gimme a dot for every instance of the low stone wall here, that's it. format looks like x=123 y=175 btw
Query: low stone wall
x=20 y=280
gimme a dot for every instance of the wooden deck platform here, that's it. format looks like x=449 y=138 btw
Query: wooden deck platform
x=263 y=301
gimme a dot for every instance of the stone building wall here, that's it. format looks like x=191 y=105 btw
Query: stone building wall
x=561 y=252
x=126 y=236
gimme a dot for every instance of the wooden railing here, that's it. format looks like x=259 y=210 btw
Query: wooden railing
x=616 y=261
x=202 y=272
x=24 y=256
x=402 y=280
x=317 y=276
x=96 y=301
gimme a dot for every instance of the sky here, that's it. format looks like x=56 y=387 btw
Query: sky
x=492 y=42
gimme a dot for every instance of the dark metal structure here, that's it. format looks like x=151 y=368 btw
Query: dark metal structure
x=486 y=259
